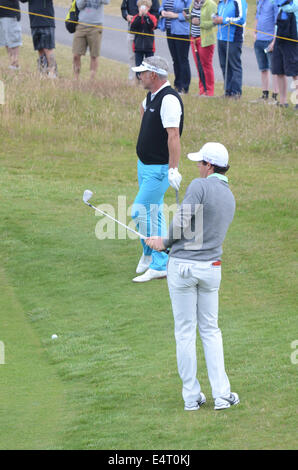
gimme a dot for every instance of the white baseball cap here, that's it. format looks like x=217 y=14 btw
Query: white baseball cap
x=144 y=67
x=212 y=152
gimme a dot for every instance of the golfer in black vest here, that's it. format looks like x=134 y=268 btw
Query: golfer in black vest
x=158 y=149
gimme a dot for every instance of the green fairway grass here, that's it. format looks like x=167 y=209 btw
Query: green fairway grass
x=110 y=381
x=33 y=396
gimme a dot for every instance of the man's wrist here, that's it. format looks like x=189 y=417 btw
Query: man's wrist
x=166 y=243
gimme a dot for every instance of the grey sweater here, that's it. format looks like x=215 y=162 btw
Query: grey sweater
x=91 y=11
x=200 y=224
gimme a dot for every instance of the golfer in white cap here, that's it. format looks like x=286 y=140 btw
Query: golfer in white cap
x=195 y=237
x=158 y=149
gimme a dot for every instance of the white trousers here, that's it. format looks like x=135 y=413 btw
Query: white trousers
x=193 y=288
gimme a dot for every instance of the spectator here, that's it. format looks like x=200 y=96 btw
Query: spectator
x=203 y=41
x=177 y=28
x=285 y=52
x=92 y=14
x=143 y=22
x=11 y=31
x=230 y=18
x=266 y=15
x=128 y=10
x=42 y=25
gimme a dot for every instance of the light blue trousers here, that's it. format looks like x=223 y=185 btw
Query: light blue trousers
x=147 y=210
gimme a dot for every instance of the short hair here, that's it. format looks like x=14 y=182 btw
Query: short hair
x=218 y=169
x=147 y=3
x=159 y=63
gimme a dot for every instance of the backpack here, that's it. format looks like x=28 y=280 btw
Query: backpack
x=286 y=26
x=72 y=15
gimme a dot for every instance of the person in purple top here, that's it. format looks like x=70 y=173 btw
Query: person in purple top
x=265 y=19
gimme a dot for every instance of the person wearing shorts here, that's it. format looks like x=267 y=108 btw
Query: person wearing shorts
x=88 y=34
x=42 y=25
x=11 y=31
x=266 y=15
x=285 y=52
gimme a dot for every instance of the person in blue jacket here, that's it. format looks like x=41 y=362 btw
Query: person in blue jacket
x=174 y=23
x=230 y=19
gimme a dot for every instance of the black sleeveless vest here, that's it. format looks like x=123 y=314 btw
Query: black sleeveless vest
x=152 y=145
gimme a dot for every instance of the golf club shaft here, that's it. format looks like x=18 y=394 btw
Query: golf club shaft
x=115 y=220
x=167 y=250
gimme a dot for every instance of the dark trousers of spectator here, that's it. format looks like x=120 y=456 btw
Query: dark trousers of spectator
x=139 y=56
x=179 y=50
x=233 y=80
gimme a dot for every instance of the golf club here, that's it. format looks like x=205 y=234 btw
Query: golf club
x=88 y=195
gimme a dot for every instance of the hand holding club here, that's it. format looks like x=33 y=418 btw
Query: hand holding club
x=156 y=243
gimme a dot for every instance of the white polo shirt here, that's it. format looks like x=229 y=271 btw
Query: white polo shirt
x=170 y=110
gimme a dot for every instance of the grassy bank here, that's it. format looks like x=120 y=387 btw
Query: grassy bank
x=110 y=381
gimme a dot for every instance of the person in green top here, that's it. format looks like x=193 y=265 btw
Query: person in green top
x=203 y=39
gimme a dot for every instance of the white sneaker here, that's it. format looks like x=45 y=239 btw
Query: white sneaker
x=199 y=403
x=225 y=402
x=144 y=264
x=149 y=275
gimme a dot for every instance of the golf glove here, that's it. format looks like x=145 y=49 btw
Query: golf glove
x=185 y=270
x=174 y=178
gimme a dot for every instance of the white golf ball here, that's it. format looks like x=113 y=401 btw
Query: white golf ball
x=54 y=336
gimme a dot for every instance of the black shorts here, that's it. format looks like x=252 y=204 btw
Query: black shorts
x=43 y=38
x=285 y=58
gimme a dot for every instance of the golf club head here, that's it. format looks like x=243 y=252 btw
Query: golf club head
x=87 y=195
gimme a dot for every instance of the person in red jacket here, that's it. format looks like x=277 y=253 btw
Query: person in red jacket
x=143 y=22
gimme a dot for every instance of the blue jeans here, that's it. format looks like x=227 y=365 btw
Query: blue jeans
x=179 y=51
x=147 y=209
x=139 y=57
x=263 y=58
x=233 y=81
